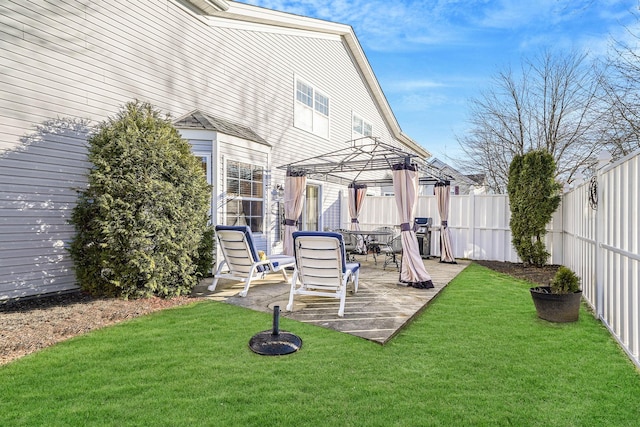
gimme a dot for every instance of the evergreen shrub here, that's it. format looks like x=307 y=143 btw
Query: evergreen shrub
x=565 y=281
x=534 y=196
x=141 y=221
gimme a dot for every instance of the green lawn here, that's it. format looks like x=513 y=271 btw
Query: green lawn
x=477 y=356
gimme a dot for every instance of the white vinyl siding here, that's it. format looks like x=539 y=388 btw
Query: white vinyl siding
x=69 y=65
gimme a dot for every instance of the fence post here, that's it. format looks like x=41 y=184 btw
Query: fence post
x=472 y=223
x=598 y=251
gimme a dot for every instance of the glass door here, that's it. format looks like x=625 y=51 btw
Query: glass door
x=310 y=220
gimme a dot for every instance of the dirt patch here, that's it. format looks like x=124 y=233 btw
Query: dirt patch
x=30 y=325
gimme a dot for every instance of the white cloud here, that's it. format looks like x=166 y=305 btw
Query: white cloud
x=409 y=25
x=412 y=85
x=419 y=101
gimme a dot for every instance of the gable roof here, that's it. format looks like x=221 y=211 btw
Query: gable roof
x=444 y=168
x=226 y=9
x=199 y=120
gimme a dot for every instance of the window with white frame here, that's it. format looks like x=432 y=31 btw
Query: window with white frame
x=360 y=127
x=205 y=163
x=311 y=110
x=245 y=195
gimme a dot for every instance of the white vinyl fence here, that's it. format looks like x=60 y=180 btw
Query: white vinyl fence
x=601 y=245
x=599 y=241
x=479 y=225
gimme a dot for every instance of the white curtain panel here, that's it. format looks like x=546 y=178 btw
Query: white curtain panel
x=442 y=196
x=405 y=186
x=294 y=187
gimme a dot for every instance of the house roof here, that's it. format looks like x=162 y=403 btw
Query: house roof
x=438 y=164
x=253 y=14
x=199 y=120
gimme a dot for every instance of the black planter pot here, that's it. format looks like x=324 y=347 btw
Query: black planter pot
x=556 y=307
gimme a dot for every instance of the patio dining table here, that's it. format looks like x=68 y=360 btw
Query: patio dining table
x=367 y=235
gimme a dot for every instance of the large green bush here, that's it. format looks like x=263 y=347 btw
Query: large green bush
x=141 y=221
x=533 y=198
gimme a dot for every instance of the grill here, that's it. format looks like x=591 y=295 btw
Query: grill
x=423 y=233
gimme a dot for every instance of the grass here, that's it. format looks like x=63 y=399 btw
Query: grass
x=477 y=356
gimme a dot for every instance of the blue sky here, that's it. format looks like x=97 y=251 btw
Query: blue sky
x=432 y=56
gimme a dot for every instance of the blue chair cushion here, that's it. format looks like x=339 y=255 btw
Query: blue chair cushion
x=353 y=266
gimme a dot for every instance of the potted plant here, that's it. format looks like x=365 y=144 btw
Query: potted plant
x=559 y=302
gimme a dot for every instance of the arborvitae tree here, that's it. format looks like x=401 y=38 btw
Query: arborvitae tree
x=141 y=221
x=533 y=198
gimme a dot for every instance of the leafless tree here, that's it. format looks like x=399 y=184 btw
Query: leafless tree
x=621 y=107
x=550 y=105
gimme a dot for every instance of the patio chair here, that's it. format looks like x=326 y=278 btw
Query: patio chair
x=391 y=251
x=241 y=258
x=376 y=242
x=321 y=267
x=350 y=244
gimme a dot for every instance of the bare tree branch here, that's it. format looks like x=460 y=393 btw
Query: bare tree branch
x=550 y=105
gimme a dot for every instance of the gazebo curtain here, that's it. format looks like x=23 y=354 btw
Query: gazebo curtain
x=442 y=197
x=405 y=185
x=294 y=186
x=357 y=193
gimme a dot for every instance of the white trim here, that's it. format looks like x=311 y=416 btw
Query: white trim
x=208 y=135
x=250 y=13
x=210 y=6
x=222 y=22
x=243 y=143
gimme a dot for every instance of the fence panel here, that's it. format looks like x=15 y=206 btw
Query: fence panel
x=617 y=298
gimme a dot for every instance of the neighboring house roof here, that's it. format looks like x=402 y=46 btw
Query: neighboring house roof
x=199 y=120
x=225 y=9
x=478 y=178
x=438 y=164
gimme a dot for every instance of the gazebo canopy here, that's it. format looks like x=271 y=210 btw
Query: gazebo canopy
x=354 y=163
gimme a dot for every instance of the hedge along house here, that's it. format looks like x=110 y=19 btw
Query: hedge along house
x=250 y=88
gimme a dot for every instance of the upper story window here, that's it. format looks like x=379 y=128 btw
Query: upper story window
x=311 y=110
x=360 y=127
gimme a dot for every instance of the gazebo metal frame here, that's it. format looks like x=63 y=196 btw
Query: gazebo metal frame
x=365 y=154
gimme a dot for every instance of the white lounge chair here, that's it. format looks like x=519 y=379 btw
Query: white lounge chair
x=321 y=267
x=241 y=258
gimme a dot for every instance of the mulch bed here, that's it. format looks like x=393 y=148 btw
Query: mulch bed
x=538 y=275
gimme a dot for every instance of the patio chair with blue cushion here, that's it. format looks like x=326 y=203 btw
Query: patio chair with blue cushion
x=321 y=267
x=241 y=259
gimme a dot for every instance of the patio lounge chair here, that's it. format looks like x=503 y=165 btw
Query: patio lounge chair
x=241 y=258
x=321 y=267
